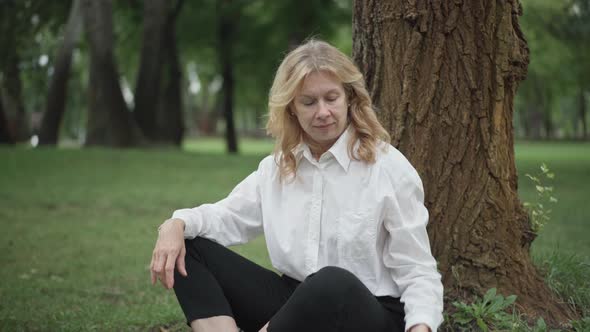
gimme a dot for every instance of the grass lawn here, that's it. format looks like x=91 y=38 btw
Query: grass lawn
x=78 y=226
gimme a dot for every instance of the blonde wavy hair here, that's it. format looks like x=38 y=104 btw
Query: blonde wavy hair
x=312 y=56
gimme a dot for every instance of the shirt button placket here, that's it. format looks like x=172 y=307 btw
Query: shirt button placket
x=314 y=222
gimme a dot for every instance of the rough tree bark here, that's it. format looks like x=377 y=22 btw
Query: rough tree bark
x=147 y=90
x=226 y=30
x=57 y=93
x=444 y=75
x=109 y=121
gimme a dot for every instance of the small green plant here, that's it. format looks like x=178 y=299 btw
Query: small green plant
x=540 y=213
x=541 y=326
x=487 y=314
x=582 y=325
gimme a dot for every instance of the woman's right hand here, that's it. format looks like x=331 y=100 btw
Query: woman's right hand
x=168 y=253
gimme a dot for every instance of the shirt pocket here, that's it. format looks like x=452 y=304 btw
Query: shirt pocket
x=357 y=240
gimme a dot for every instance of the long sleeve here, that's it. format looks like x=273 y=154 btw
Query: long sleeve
x=235 y=219
x=407 y=253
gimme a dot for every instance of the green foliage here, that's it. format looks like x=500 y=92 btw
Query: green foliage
x=547 y=101
x=487 y=314
x=519 y=324
x=581 y=325
x=539 y=212
x=568 y=231
x=567 y=275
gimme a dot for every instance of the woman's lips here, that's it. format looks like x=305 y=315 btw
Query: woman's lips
x=324 y=126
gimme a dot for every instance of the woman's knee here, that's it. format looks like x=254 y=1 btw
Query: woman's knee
x=332 y=283
x=335 y=276
x=321 y=299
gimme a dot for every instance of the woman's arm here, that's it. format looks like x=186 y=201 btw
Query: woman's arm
x=408 y=254
x=235 y=219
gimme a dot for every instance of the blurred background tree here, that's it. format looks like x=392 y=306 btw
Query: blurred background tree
x=203 y=68
x=551 y=103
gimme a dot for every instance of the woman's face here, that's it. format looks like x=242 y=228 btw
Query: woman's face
x=321 y=108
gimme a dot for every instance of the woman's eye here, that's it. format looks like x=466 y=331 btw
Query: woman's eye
x=308 y=102
x=332 y=98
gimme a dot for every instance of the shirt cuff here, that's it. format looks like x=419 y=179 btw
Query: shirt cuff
x=433 y=321
x=193 y=222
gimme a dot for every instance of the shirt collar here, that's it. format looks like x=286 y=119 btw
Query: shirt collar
x=339 y=150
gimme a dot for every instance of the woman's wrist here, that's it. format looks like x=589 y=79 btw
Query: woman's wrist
x=172 y=222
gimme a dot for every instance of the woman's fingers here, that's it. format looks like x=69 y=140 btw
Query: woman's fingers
x=153 y=275
x=168 y=277
x=158 y=268
x=168 y=252
x=180 y=262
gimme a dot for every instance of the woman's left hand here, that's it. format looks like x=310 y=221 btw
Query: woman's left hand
x=419 y=328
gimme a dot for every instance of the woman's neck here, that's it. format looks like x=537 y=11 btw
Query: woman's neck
x=318 y=150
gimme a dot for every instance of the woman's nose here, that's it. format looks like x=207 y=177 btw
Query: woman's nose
x=323 y=110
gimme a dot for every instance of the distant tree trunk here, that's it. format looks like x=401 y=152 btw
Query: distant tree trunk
x=109 y=121
x=548 y=122
x=10 y=83
x=206 y=117
x=524 y=116
x=303 y=11
x=56 y=96
x=12 y=98
x=170 y=116
x=544 y=101
x=582 y=113
x=5 y=134
x=149 y=78
x=227 y=26
x=444 y=75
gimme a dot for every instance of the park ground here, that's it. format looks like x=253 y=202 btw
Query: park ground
x=77 y=226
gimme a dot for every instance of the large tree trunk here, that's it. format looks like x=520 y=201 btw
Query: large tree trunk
x=109 y=121
x=147 y=90
x=170 y=118
x=56 y=96
x=11 y=86
x=444 y=75
x=10 y=83
x=227 y=26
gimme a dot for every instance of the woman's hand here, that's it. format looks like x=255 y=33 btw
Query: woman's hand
x=169 y=252
x=419 y=328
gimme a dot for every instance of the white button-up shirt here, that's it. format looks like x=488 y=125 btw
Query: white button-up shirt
x=367 y=218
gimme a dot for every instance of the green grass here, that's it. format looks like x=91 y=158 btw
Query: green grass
x=246 y=146
x=78 y=226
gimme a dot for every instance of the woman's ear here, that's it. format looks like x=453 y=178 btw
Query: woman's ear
x=290 y=110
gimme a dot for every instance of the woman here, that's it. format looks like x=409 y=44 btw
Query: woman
x=342 y=213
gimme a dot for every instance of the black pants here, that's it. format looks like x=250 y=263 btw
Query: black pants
x=221 y=282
